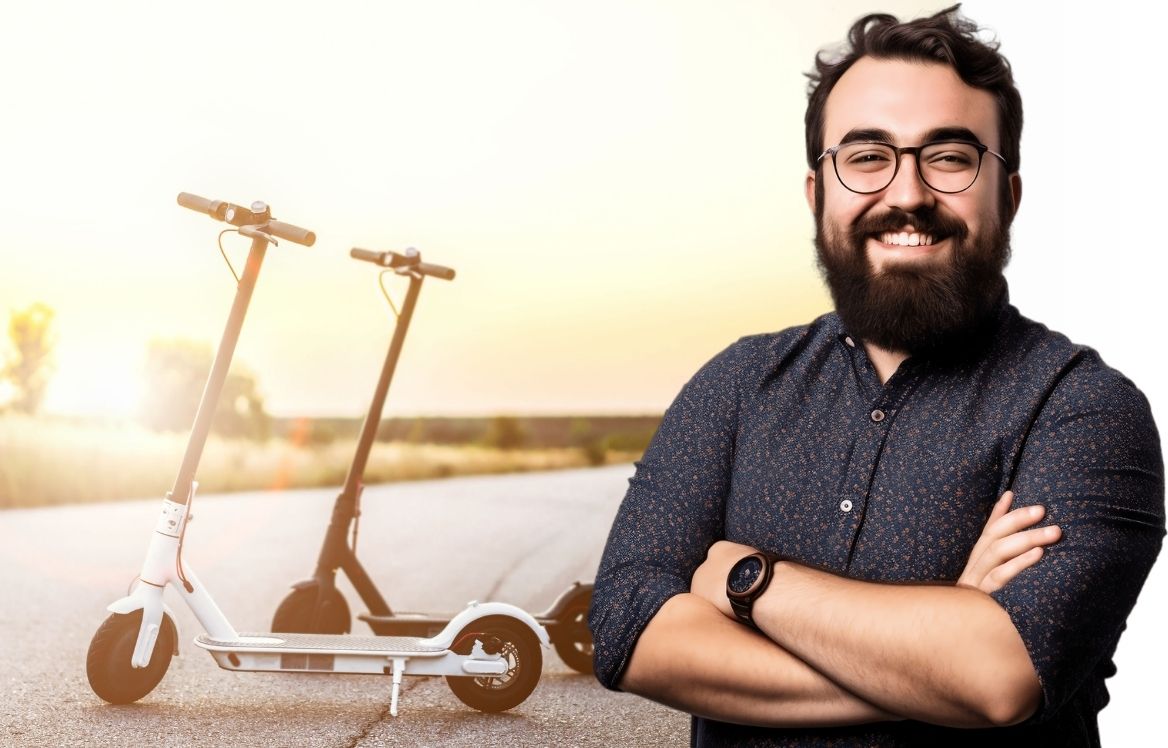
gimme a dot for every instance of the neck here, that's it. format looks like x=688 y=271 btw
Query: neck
x=885 y=361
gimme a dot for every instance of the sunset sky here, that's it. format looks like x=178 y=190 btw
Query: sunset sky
x=618 y=185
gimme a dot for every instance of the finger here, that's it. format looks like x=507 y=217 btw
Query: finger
x=1004 y=549
x=994 y=530
x=1001 y=506
x=1000 y=576
x=1015 y=545
x=1017 y=520
x=996 y=512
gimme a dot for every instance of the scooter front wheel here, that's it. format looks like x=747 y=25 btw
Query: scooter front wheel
x=295 y=613
x=572 y=638
x=518 y=645
x=108 y=663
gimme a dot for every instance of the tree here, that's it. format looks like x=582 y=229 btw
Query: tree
x=505 y=432
x=584 y=436
x=176 y=373
x=31 y=333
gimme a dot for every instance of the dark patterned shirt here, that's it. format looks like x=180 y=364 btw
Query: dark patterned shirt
x=788 y=442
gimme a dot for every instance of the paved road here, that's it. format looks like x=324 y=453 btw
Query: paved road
x=429 y=546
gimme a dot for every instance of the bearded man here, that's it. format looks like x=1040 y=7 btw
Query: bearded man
x=819 y=546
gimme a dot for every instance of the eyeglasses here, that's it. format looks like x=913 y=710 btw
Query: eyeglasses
x=948 y=166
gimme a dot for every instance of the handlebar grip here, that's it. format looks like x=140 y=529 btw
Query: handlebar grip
x=401 y=262
x=366 y=255
x=215 y=208
x=437 y=271
x=292 y=233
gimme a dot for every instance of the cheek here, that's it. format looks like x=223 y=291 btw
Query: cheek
x=842 y=208
x=977 y=210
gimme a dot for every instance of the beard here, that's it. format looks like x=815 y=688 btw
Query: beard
x=916 y=306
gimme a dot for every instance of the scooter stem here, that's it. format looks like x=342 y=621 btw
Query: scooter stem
x=373 y=417
x=214 y=388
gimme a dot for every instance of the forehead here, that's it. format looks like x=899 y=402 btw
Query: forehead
x=908 y=99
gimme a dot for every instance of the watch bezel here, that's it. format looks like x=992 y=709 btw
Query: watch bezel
x=742 y=603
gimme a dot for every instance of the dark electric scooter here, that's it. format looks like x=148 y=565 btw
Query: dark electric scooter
x=316 y=606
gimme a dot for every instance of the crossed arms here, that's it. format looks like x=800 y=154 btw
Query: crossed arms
x=838 y=651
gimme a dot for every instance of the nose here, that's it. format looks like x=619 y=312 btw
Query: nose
x=907 y=191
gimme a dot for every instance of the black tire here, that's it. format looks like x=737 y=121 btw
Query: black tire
x=294 y=614
x=572 y=638
x=519 y=646
x=108 y=663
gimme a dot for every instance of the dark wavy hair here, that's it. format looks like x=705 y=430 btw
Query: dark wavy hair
x=947 y=38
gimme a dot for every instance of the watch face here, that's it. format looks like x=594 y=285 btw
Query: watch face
x=744 y=574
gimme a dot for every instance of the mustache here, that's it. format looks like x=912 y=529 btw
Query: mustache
x=925 y=221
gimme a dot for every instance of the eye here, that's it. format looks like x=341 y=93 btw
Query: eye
x=950 y=157
x=866 y=157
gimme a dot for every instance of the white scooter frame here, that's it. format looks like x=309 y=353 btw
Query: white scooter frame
x=491 y=653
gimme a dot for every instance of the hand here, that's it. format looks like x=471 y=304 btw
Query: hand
x=709 y=581
x=1005 y=547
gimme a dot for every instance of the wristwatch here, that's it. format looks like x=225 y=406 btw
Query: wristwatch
x=747 y=580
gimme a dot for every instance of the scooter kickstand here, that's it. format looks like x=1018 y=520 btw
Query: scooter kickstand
x=399 y=665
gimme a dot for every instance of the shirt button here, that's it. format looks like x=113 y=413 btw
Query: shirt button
x=846 y=505
x=877 y=415
x=851 y=343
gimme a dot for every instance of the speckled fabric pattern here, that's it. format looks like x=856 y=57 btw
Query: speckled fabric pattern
x=788 y=442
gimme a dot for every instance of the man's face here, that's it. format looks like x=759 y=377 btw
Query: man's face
x=900 y=294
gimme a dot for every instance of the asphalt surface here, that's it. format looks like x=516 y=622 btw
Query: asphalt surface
x=430 y=546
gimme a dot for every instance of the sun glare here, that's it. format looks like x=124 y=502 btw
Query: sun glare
x=108 y=389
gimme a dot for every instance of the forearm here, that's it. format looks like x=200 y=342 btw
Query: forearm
x=936 y=653
x=693 y=658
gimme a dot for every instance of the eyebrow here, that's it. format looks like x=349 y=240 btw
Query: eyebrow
x=874 y=135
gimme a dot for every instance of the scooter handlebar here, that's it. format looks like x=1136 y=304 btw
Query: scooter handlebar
x=294 y=234
x=437 y=271
x=240 y=216
x=367 y=255
x=217 y=209
x=395 y=260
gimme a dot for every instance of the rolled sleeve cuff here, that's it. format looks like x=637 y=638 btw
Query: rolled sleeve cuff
x=621 y=609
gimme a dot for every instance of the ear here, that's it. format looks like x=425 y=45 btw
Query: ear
x=809 y=190
x=1016 y=190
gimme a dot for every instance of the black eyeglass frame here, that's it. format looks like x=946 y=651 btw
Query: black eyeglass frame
x=915 y=152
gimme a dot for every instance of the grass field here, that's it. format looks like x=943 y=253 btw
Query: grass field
x=45 y=462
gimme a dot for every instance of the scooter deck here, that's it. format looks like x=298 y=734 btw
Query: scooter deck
x=358 y=655
x=374 y=646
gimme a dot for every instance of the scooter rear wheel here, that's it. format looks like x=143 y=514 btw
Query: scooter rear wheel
x=518 y=644
x=572 y=638
x=108 y=663
x=294 y=615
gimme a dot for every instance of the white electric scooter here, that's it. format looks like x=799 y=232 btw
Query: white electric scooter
x=490 y=652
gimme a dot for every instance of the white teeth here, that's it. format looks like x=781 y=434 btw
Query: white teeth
x=905 y=239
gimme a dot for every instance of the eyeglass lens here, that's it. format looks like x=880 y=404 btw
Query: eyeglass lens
x=870 y=167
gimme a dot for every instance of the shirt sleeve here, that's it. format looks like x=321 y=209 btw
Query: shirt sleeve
x=670 y=516
x=1093 y=459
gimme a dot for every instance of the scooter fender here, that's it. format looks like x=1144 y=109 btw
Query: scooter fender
x=476 y=610
x=152 y=608
x=578 y=591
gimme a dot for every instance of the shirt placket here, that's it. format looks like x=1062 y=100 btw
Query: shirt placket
x=871 y=433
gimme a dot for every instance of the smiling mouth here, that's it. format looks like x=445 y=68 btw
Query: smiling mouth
x=905 y=239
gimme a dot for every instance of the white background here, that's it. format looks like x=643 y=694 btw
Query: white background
x=1089 y=247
